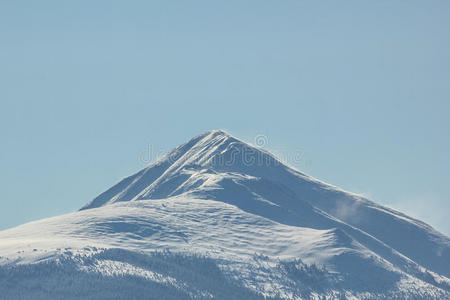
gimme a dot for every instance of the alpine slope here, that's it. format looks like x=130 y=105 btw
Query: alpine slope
x=218 y=218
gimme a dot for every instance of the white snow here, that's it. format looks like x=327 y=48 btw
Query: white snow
x=236 y=216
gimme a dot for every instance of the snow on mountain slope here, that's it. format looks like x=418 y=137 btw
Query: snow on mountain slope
x=188 y=168
x=218 y=218
x=266 y=256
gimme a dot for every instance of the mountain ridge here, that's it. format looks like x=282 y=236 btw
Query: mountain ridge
x=218 y=151
x=237 y=149
x=264 y=228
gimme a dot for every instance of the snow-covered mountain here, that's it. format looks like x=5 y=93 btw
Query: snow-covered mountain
x=217 y=218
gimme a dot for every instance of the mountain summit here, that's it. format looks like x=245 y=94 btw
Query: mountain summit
x=234 y=222
x=213 y=152
x=218 y=166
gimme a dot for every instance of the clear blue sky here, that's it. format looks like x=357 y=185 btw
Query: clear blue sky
x=362 y=88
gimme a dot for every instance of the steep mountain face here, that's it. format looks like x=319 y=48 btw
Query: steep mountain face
x=231 y=221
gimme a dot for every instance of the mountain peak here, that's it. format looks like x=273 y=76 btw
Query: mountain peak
x=212 y=151
x=200 y=149
x=218 y=150
x=216 y=132
x=243 y=209
x=216 y=166
x=210 y=134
